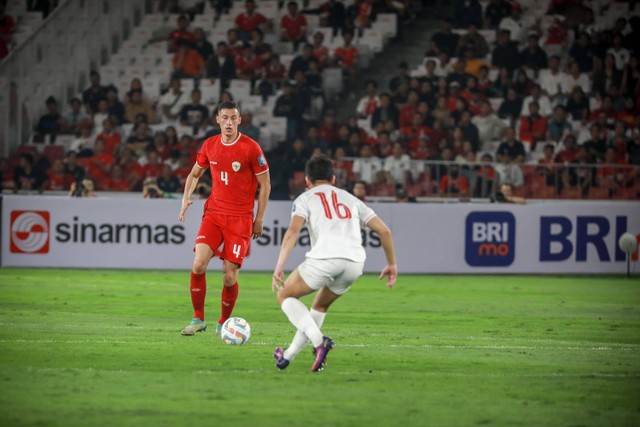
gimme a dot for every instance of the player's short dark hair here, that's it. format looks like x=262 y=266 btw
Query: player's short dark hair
x=319 y=168
x=228 y=105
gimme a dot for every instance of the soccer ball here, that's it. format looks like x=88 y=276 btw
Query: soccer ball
x=235 y=331
x=628 y=243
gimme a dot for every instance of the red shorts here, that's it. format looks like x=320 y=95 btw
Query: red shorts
x=233 y=231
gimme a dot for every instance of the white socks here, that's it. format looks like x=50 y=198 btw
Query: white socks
x=300 y=339
x=300 y=317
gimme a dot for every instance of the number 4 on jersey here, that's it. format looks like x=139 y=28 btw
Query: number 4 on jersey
x=342 y=211
x=224 y=177
x=237 y=250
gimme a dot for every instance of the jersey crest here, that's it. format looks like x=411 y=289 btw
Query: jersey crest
x=235 y=166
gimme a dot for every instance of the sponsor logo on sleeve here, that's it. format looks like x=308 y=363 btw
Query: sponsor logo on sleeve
x=262 y=161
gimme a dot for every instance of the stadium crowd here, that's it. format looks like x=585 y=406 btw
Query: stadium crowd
x=550 y=105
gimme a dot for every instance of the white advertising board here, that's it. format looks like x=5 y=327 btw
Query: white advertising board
x=537 y=238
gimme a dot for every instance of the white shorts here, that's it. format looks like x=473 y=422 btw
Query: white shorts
x=337 y=274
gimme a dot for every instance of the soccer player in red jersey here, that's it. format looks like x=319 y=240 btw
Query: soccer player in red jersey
x=238 y=167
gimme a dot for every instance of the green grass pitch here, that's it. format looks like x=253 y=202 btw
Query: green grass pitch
x=102 y=348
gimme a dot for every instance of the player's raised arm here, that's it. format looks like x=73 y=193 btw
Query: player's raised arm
x=391 y=269
x=288 y=242
x=189 y=187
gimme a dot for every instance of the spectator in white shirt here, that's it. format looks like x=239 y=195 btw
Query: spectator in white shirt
x=444 y=65
x=171 y=102
x=397 y=165
x=552 y=80
x=515 y=24
x=369 y=102
x=620 y=53
x=366 y=168
x=576 y=78
x=489 y=125
x=543 y=102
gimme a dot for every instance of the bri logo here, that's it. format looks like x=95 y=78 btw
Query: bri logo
x=490 y=239
x=29 y=232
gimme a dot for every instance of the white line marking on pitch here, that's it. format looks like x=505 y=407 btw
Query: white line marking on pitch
x=612 y=347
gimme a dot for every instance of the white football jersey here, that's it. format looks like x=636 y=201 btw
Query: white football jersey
x=334 y=220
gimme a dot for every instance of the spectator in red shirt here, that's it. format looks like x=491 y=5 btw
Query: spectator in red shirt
x=347 y=59
x=109 y=137
x=152 y=166
x=99 y=165
x=181 y=33
x=187 y=62
x=416 y=130
x=7 y=28
x=57 y=178
x=248 y=65
x=606 y=109
x=615 y=173
x=328 y=129
x=453 y=183
x=184 y=167
x=272 y=76
x=570 y=151
x=320 y=51
x=131 y=168
x=408 y=109
x=249 y=20
x=233 y=43
x=117 y=181
x=293 y=25
x=547 y=167
x=260 y=48
x=533 y=127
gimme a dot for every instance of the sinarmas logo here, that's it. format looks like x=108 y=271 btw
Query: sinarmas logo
x=29 y=232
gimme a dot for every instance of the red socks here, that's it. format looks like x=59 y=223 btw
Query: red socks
x=229 y=297
x=198 y=288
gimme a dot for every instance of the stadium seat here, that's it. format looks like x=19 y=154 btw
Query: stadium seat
x=252 y=104
x=313 y=23
x=332 y=82
x=278 y=128
x=371 y=38
x=210 y=92
x=388 y=22
x=240 y=89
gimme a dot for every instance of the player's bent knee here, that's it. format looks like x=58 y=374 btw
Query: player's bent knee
x=199 y=267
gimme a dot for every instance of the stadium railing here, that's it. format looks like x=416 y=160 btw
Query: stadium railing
x=427 y=181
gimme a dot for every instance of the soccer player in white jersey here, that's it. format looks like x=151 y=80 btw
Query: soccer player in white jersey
x=334 y=219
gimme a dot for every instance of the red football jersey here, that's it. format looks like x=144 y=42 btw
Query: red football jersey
x=248 y=23
x=292 y=26
x=234 y=168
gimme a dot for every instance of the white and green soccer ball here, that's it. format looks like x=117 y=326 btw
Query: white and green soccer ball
x=235 y=331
